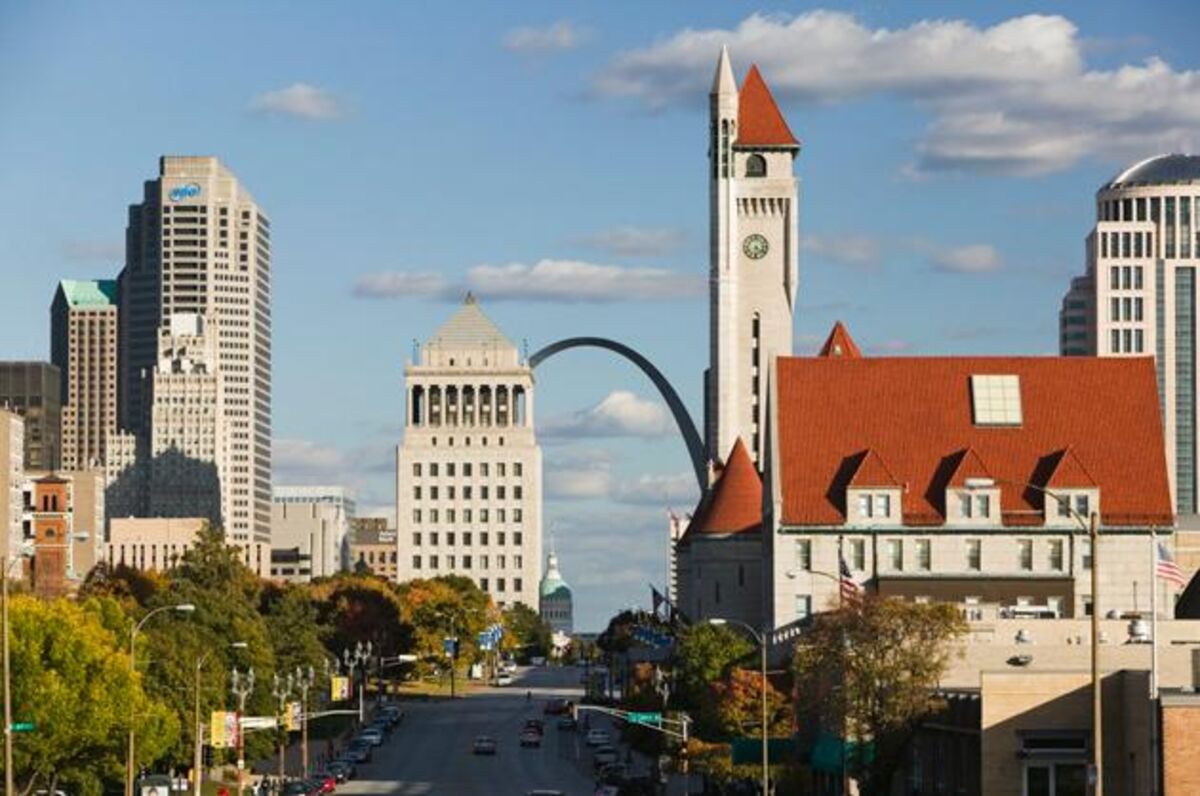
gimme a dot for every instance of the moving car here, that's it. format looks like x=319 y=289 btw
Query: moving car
x=484 y=745
x=531 y=737
x=567 y=723
x=605 y=755
x=537 y=725
x=504 y=678
x=556 y=707
x=597 y=737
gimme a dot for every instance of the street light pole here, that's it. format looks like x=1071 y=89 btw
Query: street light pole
x=241 y=686
x=761 y=639
x=1097 y=701
x=304 y=681
x=359 y=659
x=281 y=690
x=198 y=763
x=183 y=608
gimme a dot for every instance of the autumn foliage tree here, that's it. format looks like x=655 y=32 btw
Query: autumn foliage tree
x=872 y=667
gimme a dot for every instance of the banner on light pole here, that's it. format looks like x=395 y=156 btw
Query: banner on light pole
x=224 y=729
x=339 y=688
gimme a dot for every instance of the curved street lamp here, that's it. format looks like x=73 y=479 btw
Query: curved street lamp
x=182 y=608
x=198 y=765
x=760 y=637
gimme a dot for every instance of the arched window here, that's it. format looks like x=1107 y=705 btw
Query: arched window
x=756 y=166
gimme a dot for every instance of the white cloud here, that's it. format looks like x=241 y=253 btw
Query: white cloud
x=399 y=284
x=568 y=281
x=892 y=346
x=530 y=40
x=659 y=490
x=88 y=250
x=977 y=258
x=629 y=241
x=620 y=414
x=300 y=100
x=298 y=458
x=857 y=250
x=577 y=281
x=1017 y=97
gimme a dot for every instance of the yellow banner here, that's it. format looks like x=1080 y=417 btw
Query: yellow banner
x=339 y=688
x=224 y=729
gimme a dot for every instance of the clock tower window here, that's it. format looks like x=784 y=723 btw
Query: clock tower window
x=756 y=166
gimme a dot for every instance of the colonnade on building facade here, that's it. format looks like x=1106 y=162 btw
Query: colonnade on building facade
x=493 y=405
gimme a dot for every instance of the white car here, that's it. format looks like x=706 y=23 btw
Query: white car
x=597 y=737
x=372 y=736
x=504 y=678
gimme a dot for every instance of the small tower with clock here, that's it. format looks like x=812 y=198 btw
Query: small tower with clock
x=754 y=259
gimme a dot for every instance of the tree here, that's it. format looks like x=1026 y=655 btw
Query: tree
x=440 y=606
x=871 y=667
x=528 y=633
x=129 y=585
x=71 y=678
x=703 y=654
x=359 y=608
x=293 y=627
x=737 y=706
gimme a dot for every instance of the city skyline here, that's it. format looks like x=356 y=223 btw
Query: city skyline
x=966 y=253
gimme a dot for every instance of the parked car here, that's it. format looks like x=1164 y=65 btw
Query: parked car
x=567 y=723
x=604 y=755
x=372 y=736
x=323 y=783
x=297 y=788
x=393 y=714
x=484 y=745
x=531 y=737
x=597 y=737
x=359 y=751
x=340 y=770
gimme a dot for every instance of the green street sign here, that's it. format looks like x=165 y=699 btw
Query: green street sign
x=23 y=726
x=749 y=750
x=643 y=718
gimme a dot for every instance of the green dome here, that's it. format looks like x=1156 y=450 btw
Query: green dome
x=553 y=586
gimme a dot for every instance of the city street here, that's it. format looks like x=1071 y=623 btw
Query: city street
x=430 y=752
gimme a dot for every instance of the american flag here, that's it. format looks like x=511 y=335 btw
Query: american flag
x=851 y=592
x=1167 y=569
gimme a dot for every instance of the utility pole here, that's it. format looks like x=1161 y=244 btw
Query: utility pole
x=304 y=681
x=241 y=686
x=281 y=690
x=1097 y=697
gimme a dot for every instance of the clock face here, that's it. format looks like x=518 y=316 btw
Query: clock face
x=755 y=246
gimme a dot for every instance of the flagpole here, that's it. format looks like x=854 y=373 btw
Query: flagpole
x=1154 y=751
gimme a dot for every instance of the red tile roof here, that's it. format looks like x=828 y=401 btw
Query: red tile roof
x=871 y=471
x=840 y=344
x=1069 y=472
x=759 y=121
x=915 y=413
x=734 y=504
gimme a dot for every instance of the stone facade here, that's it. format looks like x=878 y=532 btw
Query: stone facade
x=469 y=471
x=315 y=520
x=12 y=477
x=373 y=547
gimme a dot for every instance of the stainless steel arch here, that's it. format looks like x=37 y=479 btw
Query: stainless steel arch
x=687 y=428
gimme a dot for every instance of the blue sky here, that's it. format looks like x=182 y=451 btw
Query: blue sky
x=407 y=151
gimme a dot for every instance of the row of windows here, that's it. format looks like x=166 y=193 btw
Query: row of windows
x=467 y=469
x=1127 y=341
x=1125 y=309
x=468 y=537
x=1126 y=244
x=468 y=560
x=856 y=555
x=1125 y=277
x=452 y=516
x=468 y=492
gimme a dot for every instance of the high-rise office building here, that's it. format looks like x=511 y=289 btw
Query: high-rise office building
x=83 y=345
x=12 y=478
x=469 y=472
x=1138 y=296
x=198 y=244
x=33 y=390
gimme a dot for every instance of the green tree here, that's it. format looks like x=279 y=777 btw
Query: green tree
x=703 y=654
x=294 y=627
x=439 y=606
x=872 y=667
x=360 y=608
x=526 y=631
x=736 y=707
x=71 y=678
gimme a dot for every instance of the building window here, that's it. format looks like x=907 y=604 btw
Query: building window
x=516 y=584
x=450 y=469
x=416 y=516
x=864 y=505
x=1082 y=505
x=518 y=469
x=417 y=469
x=974 y=555
x=1025 y=554
x=803 y=606
x=450 y=537
x=517 y=537
x=433 y=562
x=433 y=469
x=466 y=469
x=923 y=555
x=883 y=505
x=1056 y=555
x=895 y=549
x=483 y=584
x=756 y=166
x=416 y=493
x=983 y=506
x=466 y=537
x=804 y=554
x=964 y=505
x=500 y=584
x=416 y=562
x=1085 y=553
x=1064 y=506
x=858 y=554
x=417 y=539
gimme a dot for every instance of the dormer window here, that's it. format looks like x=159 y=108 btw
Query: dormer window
x=874 y=505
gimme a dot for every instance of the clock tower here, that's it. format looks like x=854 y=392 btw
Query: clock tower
x=754 y=259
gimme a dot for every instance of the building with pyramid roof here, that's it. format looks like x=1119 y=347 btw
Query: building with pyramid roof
x=469 y=470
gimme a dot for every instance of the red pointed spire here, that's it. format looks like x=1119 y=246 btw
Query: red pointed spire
x=840 y=345
x=734 y=504
x=759 y=121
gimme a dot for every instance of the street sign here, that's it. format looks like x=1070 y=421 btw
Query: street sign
x=643 y=718
x=23 y=726
x=745 y=751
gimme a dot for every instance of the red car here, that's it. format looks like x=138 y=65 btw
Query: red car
x=324 y=783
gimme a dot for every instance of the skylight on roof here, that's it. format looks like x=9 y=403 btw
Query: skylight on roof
x=996 y=400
